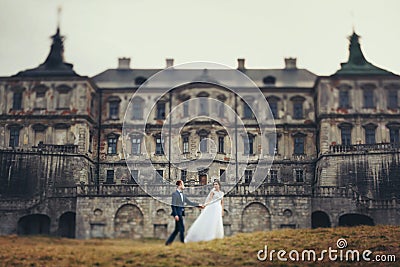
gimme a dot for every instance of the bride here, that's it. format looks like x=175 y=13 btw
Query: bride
x=209 y=224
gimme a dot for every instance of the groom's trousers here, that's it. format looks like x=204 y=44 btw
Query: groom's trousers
x=179 y=228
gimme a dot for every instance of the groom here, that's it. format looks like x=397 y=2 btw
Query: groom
x=178 y=211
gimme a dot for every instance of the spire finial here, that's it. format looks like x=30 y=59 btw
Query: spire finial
x=352 y=20
x=59 y=9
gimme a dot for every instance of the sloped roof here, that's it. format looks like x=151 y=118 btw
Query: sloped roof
x=126 y=78
x=357 y=63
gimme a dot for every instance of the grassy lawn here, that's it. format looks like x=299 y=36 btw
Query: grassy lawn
x=238 y=250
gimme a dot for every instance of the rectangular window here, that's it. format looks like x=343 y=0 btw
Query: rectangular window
x=136 y=141
x=114 y=110
x=159 y=175
x=299 y=176
x=203 y=143
x=63 y=100
x=297 y=110
x=248 y=145
x=346 y=136
x=248 y=175
x=134 y=176
x=159 y=145
x=110 y=177
x=273 y=176
x=17 y=101
x=368 y=99
x=137 y=110
x=161 y=110
x=183 y=175
x=273 y=105
x=247 y=112
x=40 y=135
x=40 y=102
x=92 y=104
x=112 y=145
x=272 y=146
x=299 y=145
x=344 y=99
x=203 y=106
x=90 y=149
x=221 y=110
x=370 y=136
x=221 y=144
x=185 y=140
x=394 y=136
x=222 y=176
x=14 y=137
x=186 y=108
x=393 y=99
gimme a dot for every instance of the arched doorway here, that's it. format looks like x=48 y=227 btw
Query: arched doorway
x=355 y=219
x=66 y=225
x=320 y=219
x=128 y=222
x=34 y=224
x=256 y=217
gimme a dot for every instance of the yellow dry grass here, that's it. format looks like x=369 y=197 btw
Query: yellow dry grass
x=238 y=250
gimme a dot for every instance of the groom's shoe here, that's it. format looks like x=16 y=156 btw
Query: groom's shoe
x=167 y=244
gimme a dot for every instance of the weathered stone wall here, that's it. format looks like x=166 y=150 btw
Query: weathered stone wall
x=146 y=217
x=373 y=174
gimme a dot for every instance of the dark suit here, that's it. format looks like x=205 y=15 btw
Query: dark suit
x=178 y=209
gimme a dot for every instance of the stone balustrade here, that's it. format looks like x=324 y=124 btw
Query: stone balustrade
x=364 y=148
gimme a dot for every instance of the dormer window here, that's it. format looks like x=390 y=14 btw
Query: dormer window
x=140 y=80
x=269 y=80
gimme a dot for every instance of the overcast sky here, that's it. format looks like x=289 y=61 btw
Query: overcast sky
x=262 y=32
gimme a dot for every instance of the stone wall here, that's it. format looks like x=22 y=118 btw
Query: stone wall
x=136 y=217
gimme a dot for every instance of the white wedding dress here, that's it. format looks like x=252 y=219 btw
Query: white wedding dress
x=209 y=224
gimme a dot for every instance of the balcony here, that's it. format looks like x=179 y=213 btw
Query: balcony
x=338 y=149
x=269 y=189
x=56 y=148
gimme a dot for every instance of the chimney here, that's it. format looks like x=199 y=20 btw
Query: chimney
x=290 y=63
x=124 y=63
x=169 y=62
x=241 y=64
